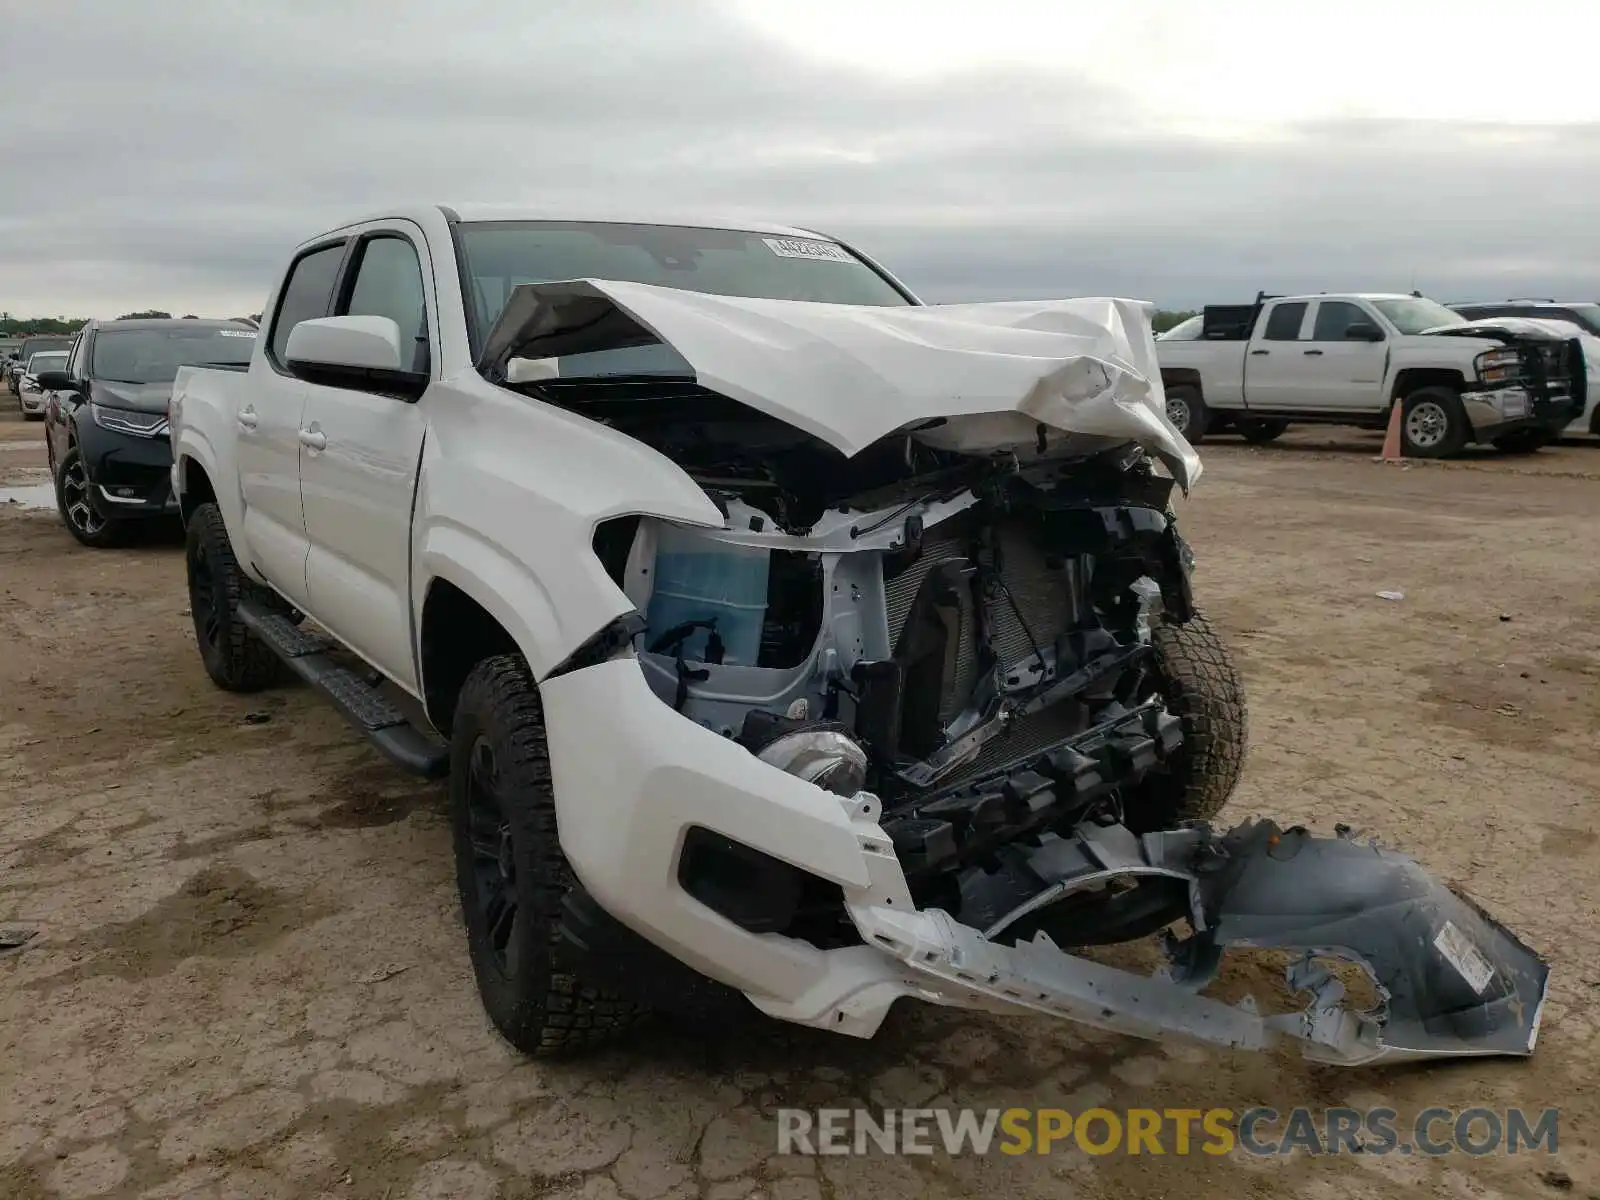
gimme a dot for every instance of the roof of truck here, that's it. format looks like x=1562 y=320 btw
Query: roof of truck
x=527 y=212
x=1349 y=296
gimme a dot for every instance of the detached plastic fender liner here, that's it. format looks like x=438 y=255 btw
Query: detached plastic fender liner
x=1452 y=980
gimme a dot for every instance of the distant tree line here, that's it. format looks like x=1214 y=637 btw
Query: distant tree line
x=39 y=326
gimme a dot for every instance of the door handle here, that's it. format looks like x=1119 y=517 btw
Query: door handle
x=247 y=418
x=1313 y=351
x=1261 y=352
x=314 y=438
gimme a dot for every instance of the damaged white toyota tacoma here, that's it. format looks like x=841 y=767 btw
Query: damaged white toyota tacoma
x=786 y=642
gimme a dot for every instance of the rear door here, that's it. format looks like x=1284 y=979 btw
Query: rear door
x=359 y=460
x=1343 y=373
x=269 y=419
x=1274 y=363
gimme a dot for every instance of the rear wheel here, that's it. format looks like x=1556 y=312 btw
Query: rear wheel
x=235 y=658
x=1433 y=424
x=1260 y=431
x=511 y=873
x=1187 y=410
x=1196 y=676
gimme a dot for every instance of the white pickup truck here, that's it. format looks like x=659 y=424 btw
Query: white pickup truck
x=786 y=642
x=1348 y=359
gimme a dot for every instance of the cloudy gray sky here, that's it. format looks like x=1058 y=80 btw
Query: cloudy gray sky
x=169 y=153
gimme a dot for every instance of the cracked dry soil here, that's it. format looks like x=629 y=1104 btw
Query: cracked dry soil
x=248 y=978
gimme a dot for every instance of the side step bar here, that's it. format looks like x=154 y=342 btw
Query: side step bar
x=362 y=704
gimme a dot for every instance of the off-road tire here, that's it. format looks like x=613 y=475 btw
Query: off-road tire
x=1456 y=432
x=545 y=1008
x=235 y=658
x=1200 y=684
x=1199 y=419
x=1259 y=431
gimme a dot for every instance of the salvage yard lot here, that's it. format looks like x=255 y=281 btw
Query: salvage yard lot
x=248 y=978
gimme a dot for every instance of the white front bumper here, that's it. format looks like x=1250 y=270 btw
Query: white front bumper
x=32 y=402
x=632 y=777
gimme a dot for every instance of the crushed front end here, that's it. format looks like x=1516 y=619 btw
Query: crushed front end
x=955 y=732
x=932 y=713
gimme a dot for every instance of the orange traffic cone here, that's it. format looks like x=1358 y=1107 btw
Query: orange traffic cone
x=1391 y=438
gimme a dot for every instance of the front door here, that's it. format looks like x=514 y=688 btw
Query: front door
x=360 y=455
x=1343 y=374
x=269 y=420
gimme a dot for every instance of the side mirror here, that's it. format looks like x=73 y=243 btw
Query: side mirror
x=1363 y=332
x=53 y=381
x=363 y=353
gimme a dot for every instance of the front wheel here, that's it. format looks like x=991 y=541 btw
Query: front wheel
x=1433 y=423
x=235 y=658
x=1196 y=676
x=511 y=873
x=76 y=504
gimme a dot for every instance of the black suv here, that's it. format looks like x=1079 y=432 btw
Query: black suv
x=106 y=417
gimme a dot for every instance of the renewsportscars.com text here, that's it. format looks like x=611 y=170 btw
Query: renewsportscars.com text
x=1177 y=1131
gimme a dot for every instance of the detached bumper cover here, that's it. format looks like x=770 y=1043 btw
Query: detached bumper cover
x=1452 y=980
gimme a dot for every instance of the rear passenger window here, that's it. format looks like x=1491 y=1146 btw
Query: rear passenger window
x=307 y=294
x=389 y=284
x=1284 y=323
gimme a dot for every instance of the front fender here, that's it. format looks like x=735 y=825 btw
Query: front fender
x=510 y=519
x=507 y=590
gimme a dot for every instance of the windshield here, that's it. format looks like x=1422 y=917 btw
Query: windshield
x=51 y=360
x=1412 y=315
x=154 y=355
x=38 y=345
x=500 y=255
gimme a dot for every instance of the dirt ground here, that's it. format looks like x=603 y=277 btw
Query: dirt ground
x=248 y=980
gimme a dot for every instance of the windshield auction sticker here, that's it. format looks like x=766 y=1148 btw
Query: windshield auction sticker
x=801 y=248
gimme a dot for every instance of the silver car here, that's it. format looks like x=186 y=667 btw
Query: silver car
x=29 y=395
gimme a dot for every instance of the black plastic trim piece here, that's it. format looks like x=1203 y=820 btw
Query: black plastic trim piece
x=617 y=636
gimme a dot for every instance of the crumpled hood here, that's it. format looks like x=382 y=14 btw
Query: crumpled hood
x=140 y=397
x=989 y=374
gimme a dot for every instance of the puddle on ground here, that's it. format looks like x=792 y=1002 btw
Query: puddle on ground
x=32 y=495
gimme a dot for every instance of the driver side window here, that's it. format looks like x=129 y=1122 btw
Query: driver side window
x=1334 y=318
x=388 y=283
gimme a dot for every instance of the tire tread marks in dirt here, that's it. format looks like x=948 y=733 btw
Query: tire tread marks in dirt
x=548 y=1010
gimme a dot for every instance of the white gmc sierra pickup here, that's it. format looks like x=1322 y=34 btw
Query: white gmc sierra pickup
x=1348 y=359
x=786 y=642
